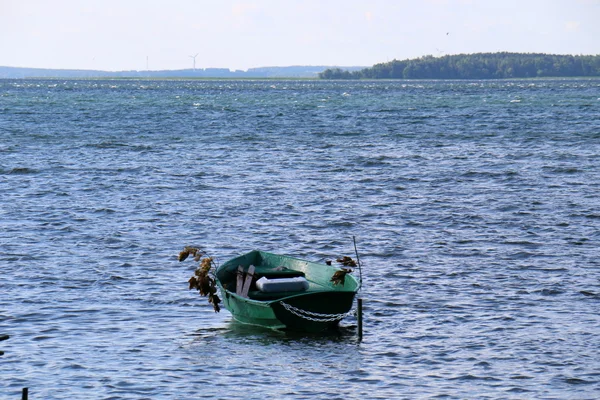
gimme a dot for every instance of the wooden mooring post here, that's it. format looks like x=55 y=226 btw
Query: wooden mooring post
x=359 y=316
x=25 y=395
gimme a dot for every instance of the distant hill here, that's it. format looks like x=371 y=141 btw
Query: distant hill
x=262 y=72
x=477 y=66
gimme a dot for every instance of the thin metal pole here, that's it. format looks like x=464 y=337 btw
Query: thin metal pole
x=358 y=261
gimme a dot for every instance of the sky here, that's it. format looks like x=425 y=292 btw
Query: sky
x=118 y=35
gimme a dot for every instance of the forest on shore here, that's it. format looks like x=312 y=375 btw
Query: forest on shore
x=477 y=66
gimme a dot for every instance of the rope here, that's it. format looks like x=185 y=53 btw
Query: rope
x=313 y=316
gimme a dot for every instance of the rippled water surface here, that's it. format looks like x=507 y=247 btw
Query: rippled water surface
x=475 y=206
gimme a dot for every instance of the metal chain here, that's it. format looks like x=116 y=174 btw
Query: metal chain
x=313 y=316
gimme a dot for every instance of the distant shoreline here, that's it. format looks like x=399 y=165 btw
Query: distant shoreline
x=172 y=78
x=293 y=72
x=311 y=79
x=276 y=79
x=478 y=66
x=502 y=65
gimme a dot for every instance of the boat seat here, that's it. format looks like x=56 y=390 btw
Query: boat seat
x=274 y=273
x=313 y=287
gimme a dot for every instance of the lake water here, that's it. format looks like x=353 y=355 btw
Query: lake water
x=475 y=207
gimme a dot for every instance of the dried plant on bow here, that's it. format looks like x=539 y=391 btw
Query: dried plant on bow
x=347 y=262
x=339 y=277
x=202 y=279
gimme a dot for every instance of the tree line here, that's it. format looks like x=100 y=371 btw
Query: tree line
x=476 y=66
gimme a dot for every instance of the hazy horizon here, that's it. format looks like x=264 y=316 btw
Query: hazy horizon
x=191 y=69
x=138 y=35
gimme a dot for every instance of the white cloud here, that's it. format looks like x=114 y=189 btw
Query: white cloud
x=241 y=9
x=572 y=26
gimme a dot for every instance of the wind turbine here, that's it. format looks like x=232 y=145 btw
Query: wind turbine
x=194 y=58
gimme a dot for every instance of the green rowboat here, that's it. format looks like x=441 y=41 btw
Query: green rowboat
x=282 y=292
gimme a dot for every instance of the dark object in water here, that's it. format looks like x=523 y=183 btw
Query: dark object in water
x=3 y=337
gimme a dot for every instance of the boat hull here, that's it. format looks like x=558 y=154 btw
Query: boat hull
x=312 y=312
x=315 y=312
x=251 y=312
